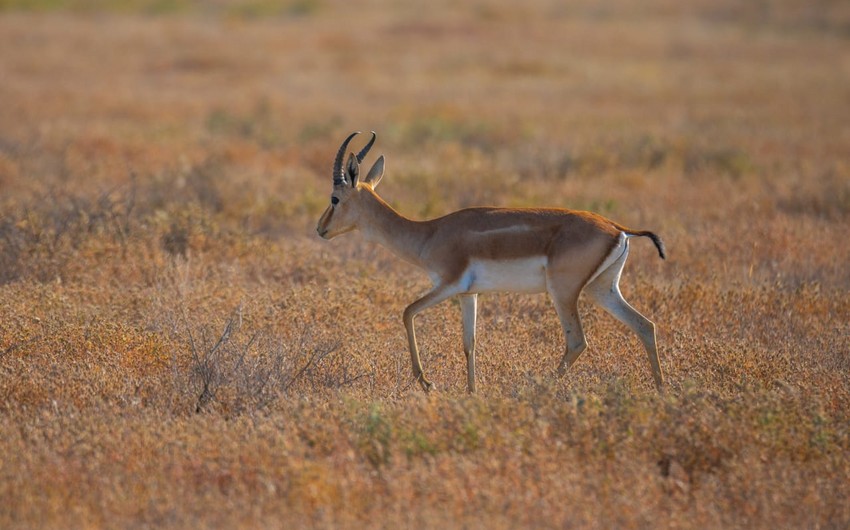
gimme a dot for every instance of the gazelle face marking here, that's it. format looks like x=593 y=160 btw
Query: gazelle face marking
x=338 y=217
x=342 y=214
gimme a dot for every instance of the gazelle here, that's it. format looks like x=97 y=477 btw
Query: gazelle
x=476 y=250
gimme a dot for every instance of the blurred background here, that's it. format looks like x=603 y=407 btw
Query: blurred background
x=237 y=107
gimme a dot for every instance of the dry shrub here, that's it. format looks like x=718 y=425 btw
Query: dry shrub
x=246 y=374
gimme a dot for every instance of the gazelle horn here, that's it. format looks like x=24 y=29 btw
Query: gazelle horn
x=339 y=174
x=363 y=152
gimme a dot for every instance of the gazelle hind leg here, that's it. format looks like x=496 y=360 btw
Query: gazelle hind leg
x=566 y=304
x=469 y=309
x=604 y=290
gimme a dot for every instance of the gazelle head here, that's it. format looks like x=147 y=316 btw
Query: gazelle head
x=343 y=213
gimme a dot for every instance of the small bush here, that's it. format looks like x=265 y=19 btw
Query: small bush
x=242 y=373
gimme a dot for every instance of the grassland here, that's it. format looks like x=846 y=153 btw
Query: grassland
x=178 y=349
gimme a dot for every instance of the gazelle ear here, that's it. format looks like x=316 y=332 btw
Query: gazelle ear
x=352 y=169
x=376 y=173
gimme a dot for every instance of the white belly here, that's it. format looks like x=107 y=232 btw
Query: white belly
x=516 y=275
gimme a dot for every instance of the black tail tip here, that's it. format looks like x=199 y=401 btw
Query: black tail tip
x=659 y=245
x=655 y=239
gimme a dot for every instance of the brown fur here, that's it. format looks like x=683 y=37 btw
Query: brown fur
x=491 y=246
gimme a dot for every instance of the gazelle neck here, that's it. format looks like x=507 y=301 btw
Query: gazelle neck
x=381 y=224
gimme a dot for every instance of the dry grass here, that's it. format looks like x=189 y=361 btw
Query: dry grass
x=178 y=350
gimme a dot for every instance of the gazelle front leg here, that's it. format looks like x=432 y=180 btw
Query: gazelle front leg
x=469 y=309
x=437 y=295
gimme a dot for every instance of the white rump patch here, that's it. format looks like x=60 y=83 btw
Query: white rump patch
x=515 y=275
x=619 y=249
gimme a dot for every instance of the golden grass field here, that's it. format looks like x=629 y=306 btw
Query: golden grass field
x=178 y=349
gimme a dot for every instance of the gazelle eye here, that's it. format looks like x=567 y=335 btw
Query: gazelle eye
x=334 y=200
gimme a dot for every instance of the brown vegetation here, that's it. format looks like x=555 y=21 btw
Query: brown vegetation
x=178 y=349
